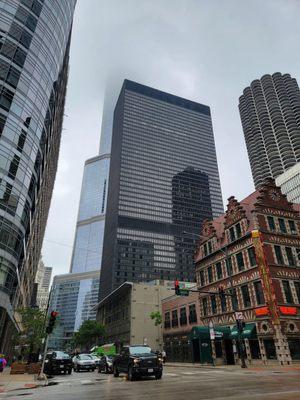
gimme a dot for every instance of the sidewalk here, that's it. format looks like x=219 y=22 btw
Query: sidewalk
x=12 y=382
x=255 y=367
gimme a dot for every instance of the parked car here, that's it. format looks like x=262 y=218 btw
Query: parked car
x=96 y=359
x=106 y=364
x=84 y=362
x=138 y=361
x=58 y=362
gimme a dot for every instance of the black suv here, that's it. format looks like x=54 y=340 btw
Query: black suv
x=138 y=361
x=57 y=362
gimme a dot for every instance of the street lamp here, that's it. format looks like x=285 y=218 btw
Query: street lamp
x=233 y=300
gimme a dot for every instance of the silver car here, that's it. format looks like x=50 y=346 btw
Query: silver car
x=84 y=362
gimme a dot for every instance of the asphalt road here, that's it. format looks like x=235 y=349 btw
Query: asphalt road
x=176 y=384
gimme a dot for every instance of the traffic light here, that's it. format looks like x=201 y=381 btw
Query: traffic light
x=240 y=325
x=51 y=322
x=177 y=288
x=180 y=291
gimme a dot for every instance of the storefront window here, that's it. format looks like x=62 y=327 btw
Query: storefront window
x=254 y=349
x=270 y=349
x=294 y=345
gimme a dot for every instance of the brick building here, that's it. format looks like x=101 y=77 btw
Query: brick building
x=180 y=315
x=260 y=238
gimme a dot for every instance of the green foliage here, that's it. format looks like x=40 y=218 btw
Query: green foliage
x=89 y=334
x=29 y=339
x=157 y=317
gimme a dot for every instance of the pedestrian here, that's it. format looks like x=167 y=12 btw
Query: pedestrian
x=164 y=356
x=3 y=362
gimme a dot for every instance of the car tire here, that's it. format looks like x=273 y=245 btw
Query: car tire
x=116 y=372
x=158 y=376
x=131 y=376
x=106 y=369
x=69 y=371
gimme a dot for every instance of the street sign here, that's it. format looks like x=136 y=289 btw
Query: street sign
x=239 y=316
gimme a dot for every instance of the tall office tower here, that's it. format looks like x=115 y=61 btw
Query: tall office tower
x=34 y=54
x=42 y=280
x=74 y=296
x=163 y=181
x=270 y=114
x=87 y=253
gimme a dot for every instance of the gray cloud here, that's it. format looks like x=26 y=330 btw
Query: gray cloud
x=204 y=50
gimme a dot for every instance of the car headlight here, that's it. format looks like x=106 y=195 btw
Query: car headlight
x=160 y=360
x=46 y=361
x=109 y=363
x=136 y=360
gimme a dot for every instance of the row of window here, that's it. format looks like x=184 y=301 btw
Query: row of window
x=218 y=271
x=183 y=318
x=281 y=225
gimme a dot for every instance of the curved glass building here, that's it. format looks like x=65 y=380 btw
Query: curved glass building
x=34 y=54
x=270 y=114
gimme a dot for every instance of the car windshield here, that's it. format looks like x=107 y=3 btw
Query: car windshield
x=94 y=357
x=85 y=357
x=61 y=355
x=139 y=350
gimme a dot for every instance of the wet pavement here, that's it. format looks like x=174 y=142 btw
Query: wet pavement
x=178 y=383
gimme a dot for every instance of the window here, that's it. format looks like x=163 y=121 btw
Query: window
x=209 y=274
x=219 y=270
x=232 y=234
x=229 y=266
x=287 y=291
x=240 y=261
x=223 y=303
x=209 y=247
x=260 y=299
x=246 y=296
x=174 y=318
x=202 y=280
x=292 y=226
x=167 y=320
x=205 y=249
x=290 y=256
x=252 y=257
x=234 y=300
x=192 y=313
x=278 y=254
x=213 y=304
x=297 y=288
x=204 y=304
x=238 y=230
x=282 y=225
x=271 y=223
x=183 y=319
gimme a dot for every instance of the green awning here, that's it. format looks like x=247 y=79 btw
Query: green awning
x=199 y=332
x=202 y=332
x=222 y=332
x=249 y=332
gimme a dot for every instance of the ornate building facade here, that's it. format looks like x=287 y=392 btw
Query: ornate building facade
x=253 y=253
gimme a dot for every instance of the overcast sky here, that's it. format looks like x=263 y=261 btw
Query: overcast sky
x=204 y=50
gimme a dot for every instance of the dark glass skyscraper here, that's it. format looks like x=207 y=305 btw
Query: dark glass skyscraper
x=163 y=181
x=34 y=55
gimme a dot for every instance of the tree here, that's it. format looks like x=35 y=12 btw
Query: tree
x=157 y=317
x=29 y=340
x=89 y=334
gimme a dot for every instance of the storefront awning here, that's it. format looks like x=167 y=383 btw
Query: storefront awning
x=249 y=332
x=222 y=332
x=202 y=332
x=199 y=332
